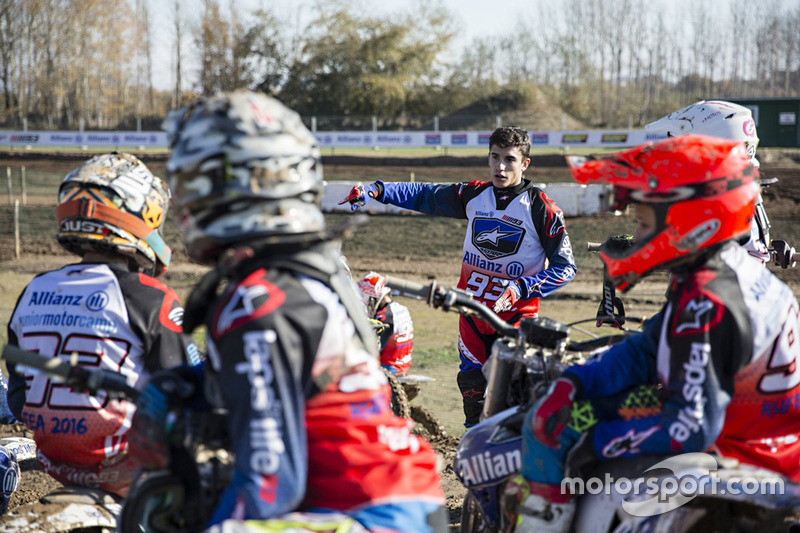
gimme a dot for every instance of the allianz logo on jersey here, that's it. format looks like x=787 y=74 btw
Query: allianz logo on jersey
x=94 y=302
x=496 y=239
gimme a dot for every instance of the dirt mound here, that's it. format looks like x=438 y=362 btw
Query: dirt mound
x=526 y=106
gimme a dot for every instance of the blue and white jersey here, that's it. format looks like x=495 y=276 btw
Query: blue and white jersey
x=516 y=233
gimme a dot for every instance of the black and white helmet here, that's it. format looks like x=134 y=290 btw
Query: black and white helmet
x=243 y=167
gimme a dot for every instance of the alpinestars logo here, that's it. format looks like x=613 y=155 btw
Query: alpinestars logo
x=628 y=442
x=496 y=239
x=690 y=318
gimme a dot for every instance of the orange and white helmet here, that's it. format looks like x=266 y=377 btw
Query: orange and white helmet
x=715 y=118
x=701 y=188
x=373 y=291
x=113 y=203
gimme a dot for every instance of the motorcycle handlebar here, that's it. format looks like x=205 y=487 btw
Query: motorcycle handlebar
x=594 y=246
x=91 y=379
x=437 y=296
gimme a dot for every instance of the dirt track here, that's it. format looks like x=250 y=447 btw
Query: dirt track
x=413 y=247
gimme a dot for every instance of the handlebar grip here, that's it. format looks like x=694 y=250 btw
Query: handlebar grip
x=51 y=365
x=409 y=288
x=594 y=246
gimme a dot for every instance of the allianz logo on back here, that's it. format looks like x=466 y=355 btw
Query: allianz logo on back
x=94 y=302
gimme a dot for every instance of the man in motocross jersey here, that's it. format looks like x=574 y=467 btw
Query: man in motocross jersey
x=396 y=333
x=291 y=355
x=516 y=249
x=721 y=356
x=727 y=120
x=109 y=310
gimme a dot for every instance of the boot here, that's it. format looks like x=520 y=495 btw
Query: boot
x=472 y=385
x=538 y=515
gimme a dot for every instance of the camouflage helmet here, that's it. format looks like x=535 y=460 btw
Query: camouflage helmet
x=243 y=167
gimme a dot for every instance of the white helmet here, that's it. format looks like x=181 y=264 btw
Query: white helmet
x=373 y=291
x=243 y=167
x=715 y=118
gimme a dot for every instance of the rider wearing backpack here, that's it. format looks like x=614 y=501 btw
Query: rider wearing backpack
x=722 y=349
x=291 y=355
x=109 y=310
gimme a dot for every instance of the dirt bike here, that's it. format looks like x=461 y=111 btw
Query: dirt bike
x=524 y=361
x=179 y=498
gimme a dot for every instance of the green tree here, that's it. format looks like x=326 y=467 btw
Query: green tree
x=360 y=65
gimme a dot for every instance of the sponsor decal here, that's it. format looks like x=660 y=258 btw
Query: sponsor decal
x=407 y=139
x=614 y=138
x=97 y=301
x=59 y=138
x=653 y=136
x=690 y=418
x=780 y=406
x=483 y=138
x=512 y=220
x=115 y=139
x=433 y=138
x=689 y=319
x=101 y=324
x=367 y=139
x=699 y=235
x=81 y=226
x=458 y=138
x=574 y=138
x=477 y=261
x=515 y=269
x=483 y=468
x=496 y=239
x=176 y=315
x=265 y=435
x=628 y=443
x=327 y=139
x=26 y=138
x=349 y=138
x=78 y=138
x=540 y=138
x=252 y=298
x=54 y=298
x=390 y=139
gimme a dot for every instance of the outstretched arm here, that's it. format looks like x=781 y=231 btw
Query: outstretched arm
x=447 y=200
